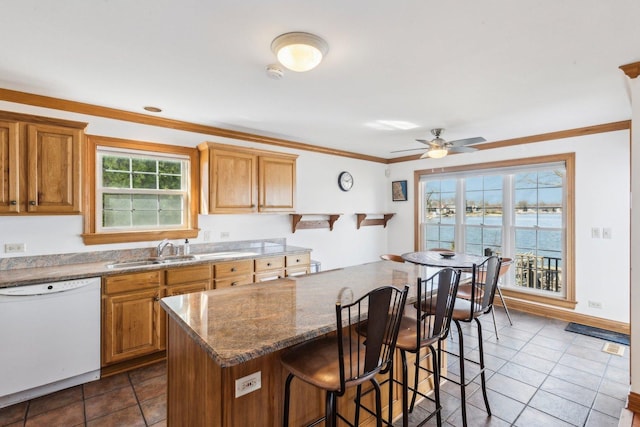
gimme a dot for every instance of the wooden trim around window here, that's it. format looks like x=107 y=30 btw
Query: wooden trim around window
x=569 y=161
x=91 y=237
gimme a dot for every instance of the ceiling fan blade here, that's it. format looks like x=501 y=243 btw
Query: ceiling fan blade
x=467 y=141
x=409 y=149
x=423 y=141
x=462 y=149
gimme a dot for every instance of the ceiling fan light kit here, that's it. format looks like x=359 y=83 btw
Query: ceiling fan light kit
x=438 y=147
x=299 y=51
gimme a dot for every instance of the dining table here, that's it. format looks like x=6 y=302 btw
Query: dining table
x=444 y=259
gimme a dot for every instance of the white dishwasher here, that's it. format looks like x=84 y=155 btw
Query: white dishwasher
x=49 y=338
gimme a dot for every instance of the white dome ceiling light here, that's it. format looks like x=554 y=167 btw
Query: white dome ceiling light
x=299 y=51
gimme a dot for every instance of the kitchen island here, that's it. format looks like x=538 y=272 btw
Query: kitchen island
x=218 y=338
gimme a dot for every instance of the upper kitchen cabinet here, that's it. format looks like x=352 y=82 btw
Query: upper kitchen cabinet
x=243 y=180
x=41 y=163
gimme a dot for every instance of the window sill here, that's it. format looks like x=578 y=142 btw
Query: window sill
x=137 y=236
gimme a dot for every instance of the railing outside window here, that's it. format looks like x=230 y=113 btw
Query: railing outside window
x=538 y=272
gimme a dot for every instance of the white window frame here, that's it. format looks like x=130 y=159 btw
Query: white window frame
x=102 y=151
x=564 y=299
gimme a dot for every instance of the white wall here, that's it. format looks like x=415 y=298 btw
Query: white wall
x=317 y=192
x=601 y=200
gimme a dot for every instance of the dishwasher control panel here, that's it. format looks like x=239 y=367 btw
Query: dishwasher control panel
x=48 y=288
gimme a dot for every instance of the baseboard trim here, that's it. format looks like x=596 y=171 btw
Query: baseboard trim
x=565 y=315
x=633 y=402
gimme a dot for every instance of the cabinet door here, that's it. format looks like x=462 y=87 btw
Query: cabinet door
x=54 y=155
x=131 y=325
x=277 y=183
x=9 y=194
x=233 y=182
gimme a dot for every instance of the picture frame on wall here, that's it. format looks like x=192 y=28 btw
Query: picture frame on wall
x=399 y=191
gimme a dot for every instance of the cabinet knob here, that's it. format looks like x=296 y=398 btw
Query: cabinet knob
x=268 y=264
x=233 y=269
x=157 y=298
x=234 y=283
x=32 y=202
x=13 y=202
x=297 y=260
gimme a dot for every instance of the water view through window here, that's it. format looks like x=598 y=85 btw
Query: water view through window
x=516 y=214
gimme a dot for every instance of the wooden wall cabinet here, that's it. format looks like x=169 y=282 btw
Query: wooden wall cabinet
x=41 y=164
x=242 y=180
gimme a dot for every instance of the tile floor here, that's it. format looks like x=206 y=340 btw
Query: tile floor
x=539 y=375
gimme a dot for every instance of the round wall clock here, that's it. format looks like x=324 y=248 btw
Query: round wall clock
x=345 y=181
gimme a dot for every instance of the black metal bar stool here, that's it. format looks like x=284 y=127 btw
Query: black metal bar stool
x=362 y=347
x=430 y=324
x=479 y=302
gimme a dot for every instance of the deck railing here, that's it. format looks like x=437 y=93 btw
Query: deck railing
x=538 y=272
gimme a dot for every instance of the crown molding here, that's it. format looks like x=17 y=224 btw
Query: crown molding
x=569 y=133
x=112 y=113
x=631 y=70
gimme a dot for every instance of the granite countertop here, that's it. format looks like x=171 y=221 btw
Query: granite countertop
x=32 y=274
x=239 y=324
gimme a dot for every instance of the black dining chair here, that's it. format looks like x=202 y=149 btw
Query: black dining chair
x=362 y=347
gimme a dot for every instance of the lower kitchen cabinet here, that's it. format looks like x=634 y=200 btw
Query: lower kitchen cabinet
x=134 y=324
x=298 y=265
x=270 y=268
x=131 y=316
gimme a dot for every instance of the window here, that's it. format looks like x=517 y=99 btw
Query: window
x=141 y=191
x=520 y=209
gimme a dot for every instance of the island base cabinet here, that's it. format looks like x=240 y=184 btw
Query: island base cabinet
x=201 y=393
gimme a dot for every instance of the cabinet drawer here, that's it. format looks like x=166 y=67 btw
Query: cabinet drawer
x=132 y=281
x=300 y=259
x=233 y=268
x=270 y=263
x=233 y=281
x=265 y=276
x=298 y=271
x=188 y=274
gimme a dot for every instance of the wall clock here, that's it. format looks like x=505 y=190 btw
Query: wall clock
x=345 y=181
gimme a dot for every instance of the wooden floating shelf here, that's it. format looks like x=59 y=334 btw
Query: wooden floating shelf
x=362 y=221
x=298 y=223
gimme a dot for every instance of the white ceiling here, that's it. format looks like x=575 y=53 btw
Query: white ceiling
x=493 y=68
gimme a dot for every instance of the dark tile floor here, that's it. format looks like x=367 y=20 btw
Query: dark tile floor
x=136 y=398
x=539 y=375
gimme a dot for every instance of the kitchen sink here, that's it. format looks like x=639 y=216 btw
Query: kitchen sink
x=151 y=261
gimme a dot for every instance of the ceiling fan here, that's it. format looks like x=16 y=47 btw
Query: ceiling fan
x=438 y=147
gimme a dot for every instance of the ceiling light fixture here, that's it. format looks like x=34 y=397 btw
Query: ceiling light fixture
x=299 y=51
x=435 y=153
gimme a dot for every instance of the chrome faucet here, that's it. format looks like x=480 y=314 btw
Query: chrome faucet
x=161 y=247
